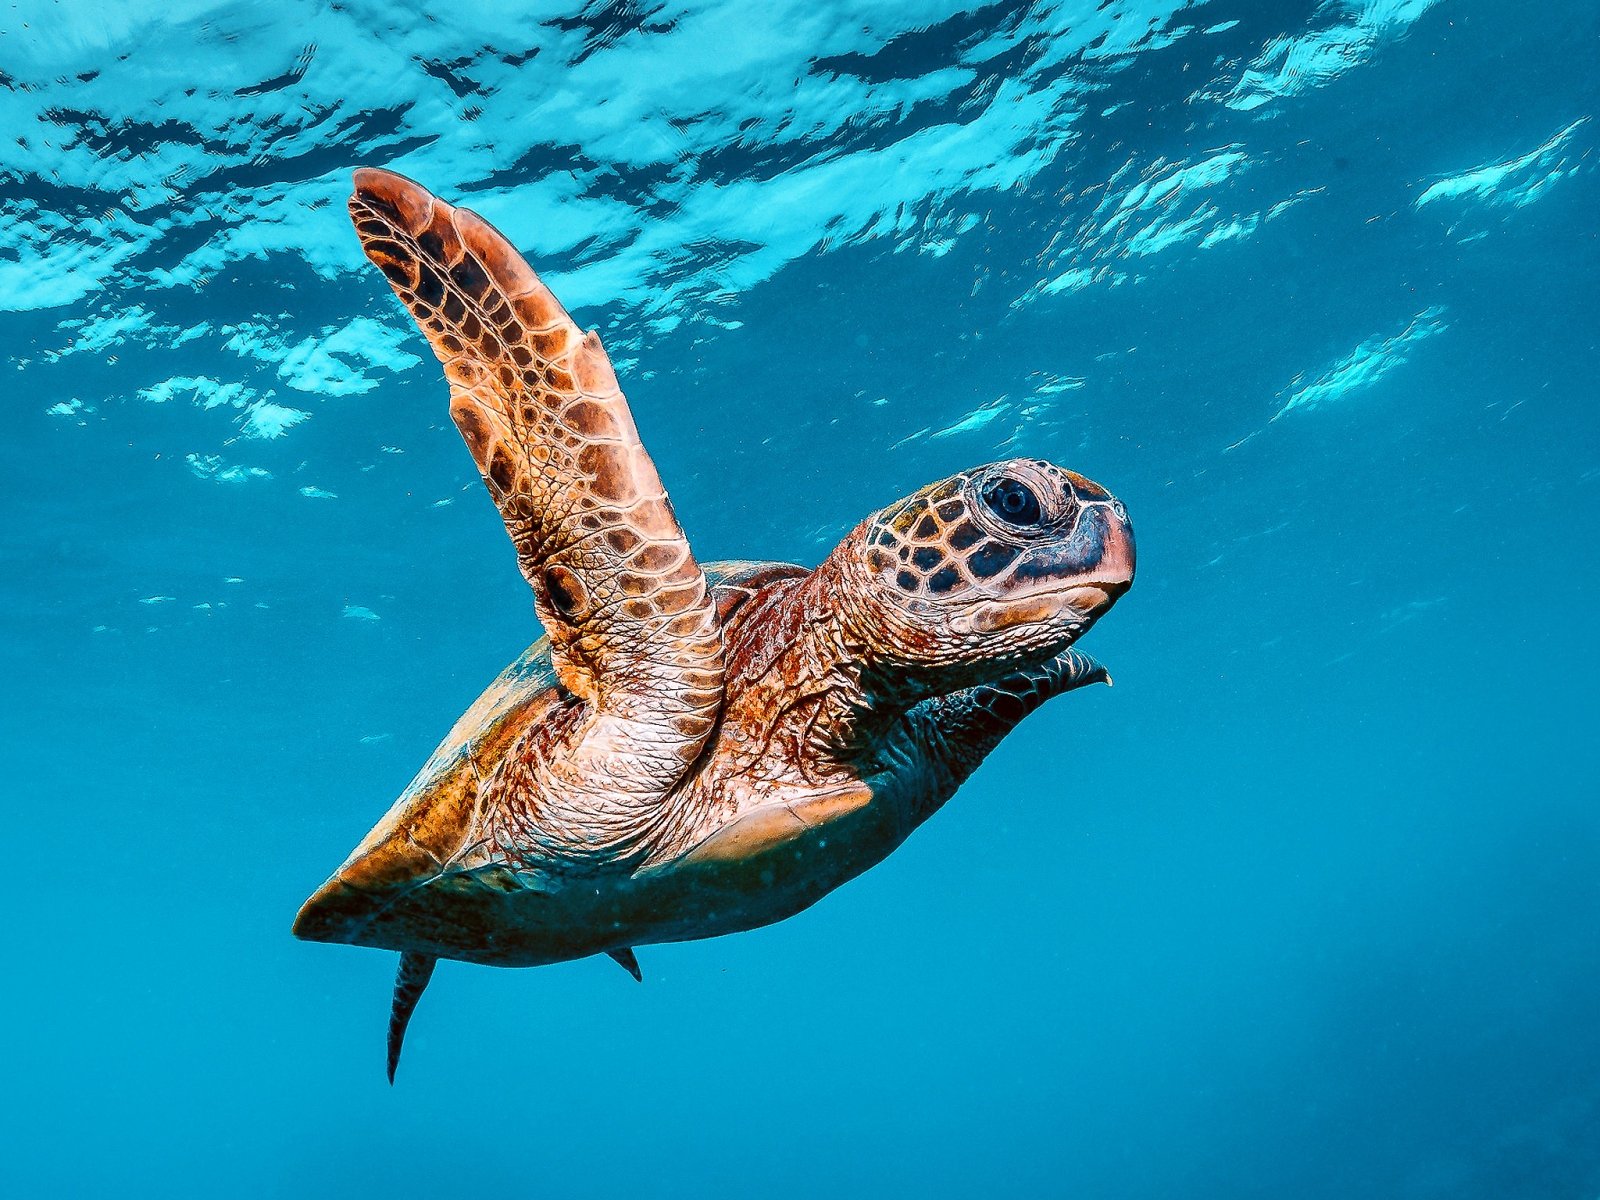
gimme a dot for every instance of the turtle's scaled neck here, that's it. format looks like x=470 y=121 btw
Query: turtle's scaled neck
x=806 y=702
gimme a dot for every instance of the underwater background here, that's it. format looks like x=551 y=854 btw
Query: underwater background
x=1307 y=905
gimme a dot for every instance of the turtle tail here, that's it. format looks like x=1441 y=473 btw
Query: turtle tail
x=409 y=984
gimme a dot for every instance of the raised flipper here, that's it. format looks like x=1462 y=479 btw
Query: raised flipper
x=632 y=626
x=409 y=984
x=628 y=961
x=964 y=726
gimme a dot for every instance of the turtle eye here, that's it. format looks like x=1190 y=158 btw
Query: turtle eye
x=1013 y=501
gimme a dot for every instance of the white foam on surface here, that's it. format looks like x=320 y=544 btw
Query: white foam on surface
x=1516 y=182
x=1292 y=65
x=1366 y=365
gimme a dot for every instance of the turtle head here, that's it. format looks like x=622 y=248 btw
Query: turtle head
x=1000 y=566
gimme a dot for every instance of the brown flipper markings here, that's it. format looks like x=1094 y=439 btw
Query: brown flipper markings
x=628 y=961
x=409 y=984
x=632 y=625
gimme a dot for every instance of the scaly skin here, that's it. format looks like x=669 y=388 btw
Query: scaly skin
x=678 y=762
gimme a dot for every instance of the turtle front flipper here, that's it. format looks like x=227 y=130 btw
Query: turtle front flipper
x=961 y=728
x=633 y=628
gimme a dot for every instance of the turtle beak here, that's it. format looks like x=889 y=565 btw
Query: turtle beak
x=1092 y=599
x=1114 y=574
x=1096 y=564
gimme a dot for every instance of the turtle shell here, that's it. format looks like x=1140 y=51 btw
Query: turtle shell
x=435 y=812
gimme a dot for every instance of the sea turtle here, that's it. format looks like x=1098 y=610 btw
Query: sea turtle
x=688 y=752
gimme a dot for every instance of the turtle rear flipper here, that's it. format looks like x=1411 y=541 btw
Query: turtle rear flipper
x=628 y=961
x=409 y=984
x=633 y=629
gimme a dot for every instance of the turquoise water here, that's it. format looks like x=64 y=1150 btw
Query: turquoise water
x=1306 y=906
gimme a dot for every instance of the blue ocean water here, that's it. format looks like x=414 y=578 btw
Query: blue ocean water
x=1307 y=905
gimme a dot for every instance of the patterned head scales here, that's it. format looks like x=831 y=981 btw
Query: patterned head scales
x=1021 y=551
